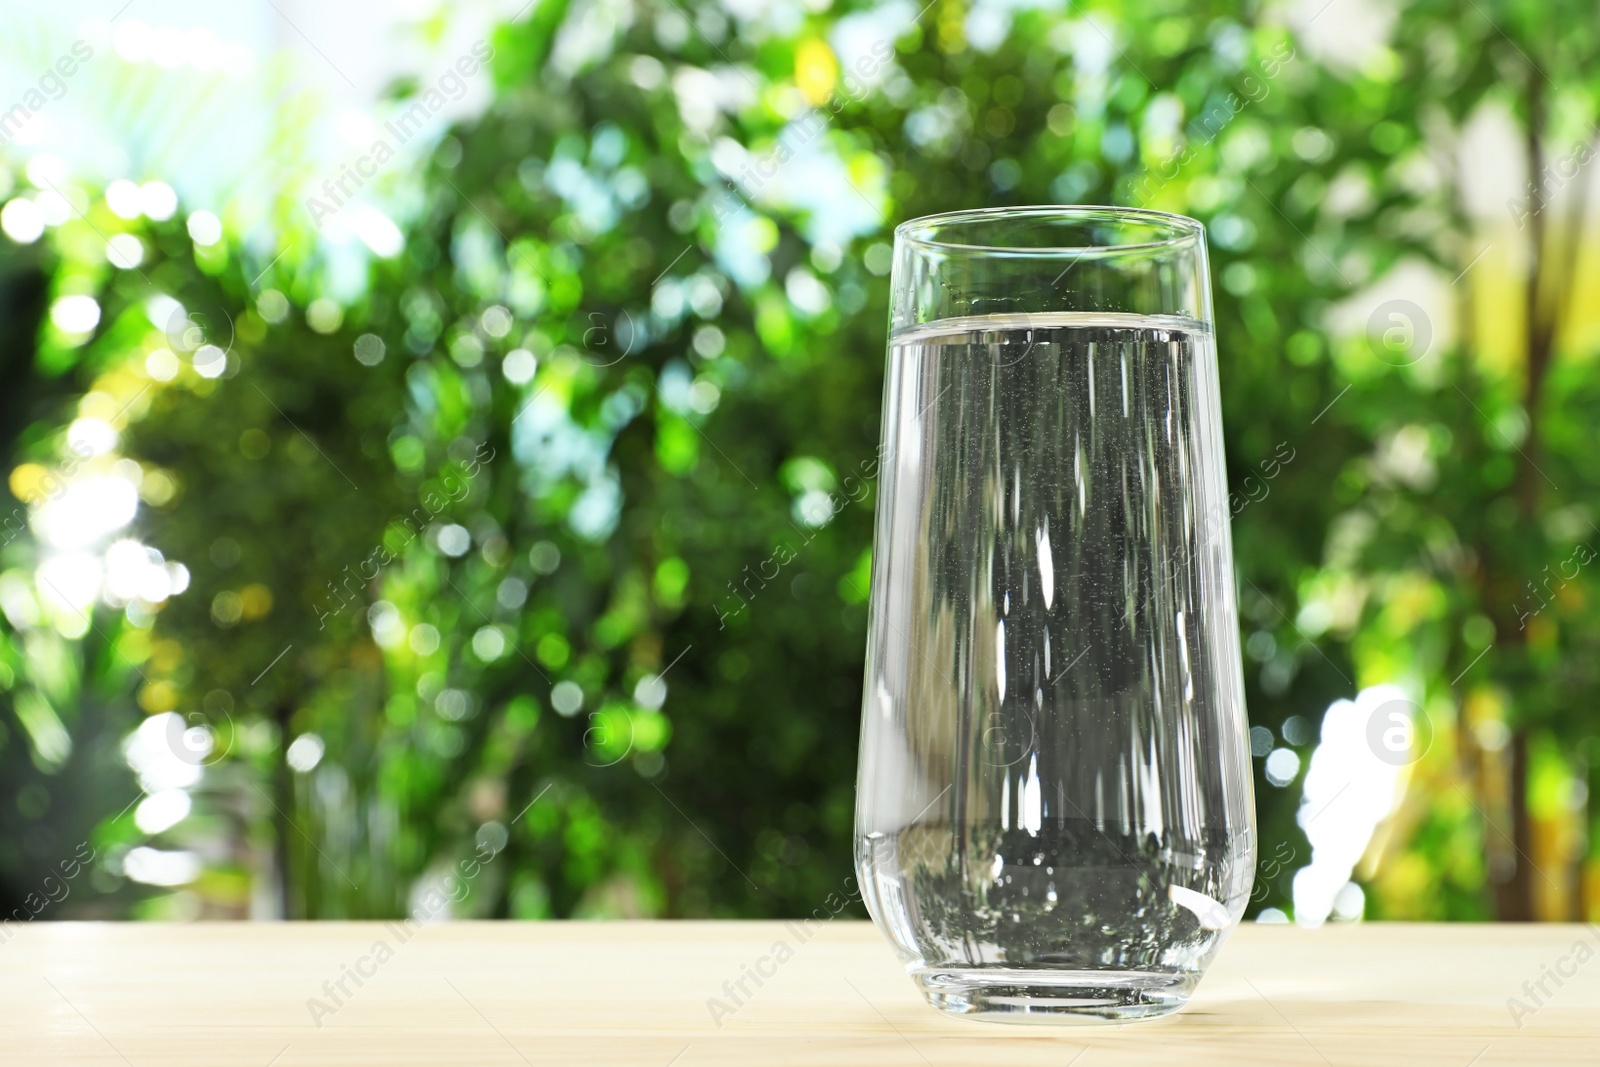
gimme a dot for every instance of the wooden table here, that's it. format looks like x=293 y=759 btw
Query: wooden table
x=253 y=995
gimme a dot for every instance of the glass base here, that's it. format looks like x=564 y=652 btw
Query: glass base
x=1033 y=996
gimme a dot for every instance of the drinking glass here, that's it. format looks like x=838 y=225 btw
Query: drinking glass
x=1054 y=814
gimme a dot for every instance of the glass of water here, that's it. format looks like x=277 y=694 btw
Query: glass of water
x=1054 y=811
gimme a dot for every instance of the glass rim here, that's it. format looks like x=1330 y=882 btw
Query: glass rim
x=1172 y=231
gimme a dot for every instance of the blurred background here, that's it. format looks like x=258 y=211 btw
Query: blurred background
x=433 y=434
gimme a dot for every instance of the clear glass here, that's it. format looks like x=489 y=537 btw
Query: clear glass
x=1054 y=812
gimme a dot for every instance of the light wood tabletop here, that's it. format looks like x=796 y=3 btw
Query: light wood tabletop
x=647 y=993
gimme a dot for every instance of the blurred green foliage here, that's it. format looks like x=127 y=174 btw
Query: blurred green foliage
x=554 y=541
